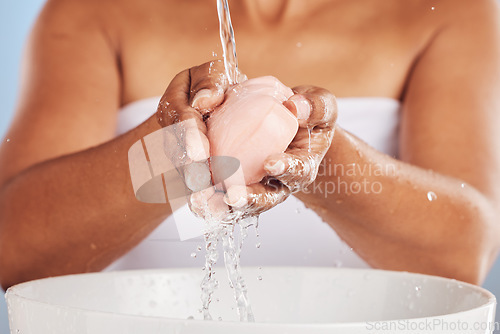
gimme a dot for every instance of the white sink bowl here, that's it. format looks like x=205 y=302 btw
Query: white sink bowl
x=287 y=300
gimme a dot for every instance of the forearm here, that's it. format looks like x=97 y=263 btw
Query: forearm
x=398 y=216
x=75 y=213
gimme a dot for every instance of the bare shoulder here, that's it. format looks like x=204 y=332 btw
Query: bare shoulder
x=67 y=12
x=435 y=16
x=470 y=7
x=470 y=13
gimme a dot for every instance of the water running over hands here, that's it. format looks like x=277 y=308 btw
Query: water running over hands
x=218 y=229
x=251 y=140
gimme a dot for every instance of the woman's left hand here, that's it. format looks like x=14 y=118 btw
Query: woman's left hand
x=297 y=167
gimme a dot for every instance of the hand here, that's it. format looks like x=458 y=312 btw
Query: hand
x=192 y=95
x=297 y=167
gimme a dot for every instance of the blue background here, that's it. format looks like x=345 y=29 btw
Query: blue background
x=16 y=18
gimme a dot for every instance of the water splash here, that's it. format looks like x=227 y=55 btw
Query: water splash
x=232 y=254
x=431 y=196
x=208 y=284
x=225 y=232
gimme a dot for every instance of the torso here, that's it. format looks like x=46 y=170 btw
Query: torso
x=352 y=48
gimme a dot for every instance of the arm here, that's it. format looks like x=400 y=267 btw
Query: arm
x=66 y=200
x=449 y=145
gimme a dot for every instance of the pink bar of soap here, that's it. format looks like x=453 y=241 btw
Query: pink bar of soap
x=253 y=124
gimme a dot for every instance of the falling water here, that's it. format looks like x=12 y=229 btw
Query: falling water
x=223 y=230
x=218 y=231
x=228 y=42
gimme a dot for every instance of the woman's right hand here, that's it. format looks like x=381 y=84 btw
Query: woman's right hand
x=191 y=95
x=188 y=100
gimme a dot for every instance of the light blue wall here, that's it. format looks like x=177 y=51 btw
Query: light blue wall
x=16 y=17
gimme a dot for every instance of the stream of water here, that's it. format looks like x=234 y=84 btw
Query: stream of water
x=228 y=42
x=218 y=231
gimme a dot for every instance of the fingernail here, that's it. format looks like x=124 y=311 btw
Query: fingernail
x=202 y=94
x=197 y=145
x=241 y=202
x=275 y=167
x=197 y=176
x=236 y=196
x=302 y=105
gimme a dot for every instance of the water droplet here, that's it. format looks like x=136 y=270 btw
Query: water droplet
x=193 y=255
x=220 y=318
x=257 y=245
x=199 y=248
x=259 y=278
x=431 y=196
x=432 y=8
x=462 y=185
x=299 y=44
x=214 y=54
x=460 y=286
x=7 y=140
x=418 y=291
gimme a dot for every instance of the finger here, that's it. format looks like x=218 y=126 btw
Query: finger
x=317 y=104
x=197 y=176
x=315 y=141
x=174 y=105
x=208 y=85
x=189 y=132
x=209 y=204
x=198 y=201
x=256 y=198
x=296 y=168
x=300 y=107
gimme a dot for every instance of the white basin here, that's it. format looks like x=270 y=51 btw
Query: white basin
x=286 y=300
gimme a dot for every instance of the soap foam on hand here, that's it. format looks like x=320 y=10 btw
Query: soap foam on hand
x=251 y=125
